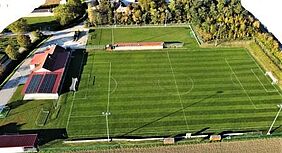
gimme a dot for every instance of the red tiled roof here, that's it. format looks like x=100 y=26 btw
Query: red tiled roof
x=55 y=61
x=48 y=56
x=139 y=44
x=25 y=140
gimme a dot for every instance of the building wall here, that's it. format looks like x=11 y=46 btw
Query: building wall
x=38 y=96
x=41 y=14
x=12 y=150
x=138 y=48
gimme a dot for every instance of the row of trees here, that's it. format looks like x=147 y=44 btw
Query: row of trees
x=214 y=19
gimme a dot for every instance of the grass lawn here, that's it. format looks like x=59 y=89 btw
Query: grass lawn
x=107 y=36
x=169 y=92
x=42 y=23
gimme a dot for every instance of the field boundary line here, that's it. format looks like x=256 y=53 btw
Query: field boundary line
x=262 y=71
x=177 y=89
x=87 y=116
x=109 y=87
x=266 y=90
x=195 y=36
x=240 y=83
x=68 y=121
x=113 y=40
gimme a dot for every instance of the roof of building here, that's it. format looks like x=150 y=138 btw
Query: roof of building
x=53 y=59
x=25 y=140
x=139 y=44
x=52 y=2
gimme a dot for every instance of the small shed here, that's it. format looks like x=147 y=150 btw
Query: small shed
x=215 y=138
x=169 y=140
x=18 y=143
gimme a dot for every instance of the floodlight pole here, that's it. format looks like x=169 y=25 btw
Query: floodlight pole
x=106 y=114
x=166 y=12
x=280 y=108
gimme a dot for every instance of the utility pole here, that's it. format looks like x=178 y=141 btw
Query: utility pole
x=280 y=108
x=166 y=11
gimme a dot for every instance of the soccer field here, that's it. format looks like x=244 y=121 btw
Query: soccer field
x=169 y=92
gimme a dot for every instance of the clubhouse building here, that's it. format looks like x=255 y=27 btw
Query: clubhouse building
x=47 y=76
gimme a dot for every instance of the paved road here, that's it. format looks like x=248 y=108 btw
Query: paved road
x=63 y=38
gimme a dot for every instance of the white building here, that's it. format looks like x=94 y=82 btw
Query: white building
x=269 y=14
x=138 y=46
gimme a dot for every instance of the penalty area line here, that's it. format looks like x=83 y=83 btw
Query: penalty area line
x=240 y=84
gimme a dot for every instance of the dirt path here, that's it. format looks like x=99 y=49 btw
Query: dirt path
x=251 y=146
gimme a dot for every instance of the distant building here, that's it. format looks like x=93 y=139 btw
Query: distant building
x=47 y=75
x=18 y=143
x=138 y=46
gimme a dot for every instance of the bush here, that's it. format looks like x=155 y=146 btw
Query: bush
x=36 y=35
x=64 y=14
x=20 y=26
x=12 y=52
x=24 y=41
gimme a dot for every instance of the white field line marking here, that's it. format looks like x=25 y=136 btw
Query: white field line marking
x=194 y=35
x=113 y=36
x=182 y=94
x=177 y=90
x=266 y=90
x=262 y=71
x=116 y=84
x=87 y=116
x=109 y=87
x=100 y=63
x=240 y=83
x=68 y=121
x=231 y=78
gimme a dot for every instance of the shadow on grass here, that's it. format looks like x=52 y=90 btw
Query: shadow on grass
x=46 y=135
x=75 y=68
x=17 y=103
x=10 y=128
x=172 y=113
x=52 y=25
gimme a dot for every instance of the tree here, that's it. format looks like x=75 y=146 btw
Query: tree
x=76 y=6
x=91 y=15
x=20 y=26
x=24 y=41
x=12 y=52
x=36 y=35
x=2 y=69
x=64 y=14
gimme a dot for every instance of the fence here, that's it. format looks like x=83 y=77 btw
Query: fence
x=96 y=47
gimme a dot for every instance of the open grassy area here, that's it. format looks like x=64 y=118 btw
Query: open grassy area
x=169 y=92
x=42 y=23
x=107 y=36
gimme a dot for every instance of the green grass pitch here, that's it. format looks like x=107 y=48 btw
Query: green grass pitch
x=171 y=91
